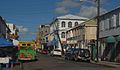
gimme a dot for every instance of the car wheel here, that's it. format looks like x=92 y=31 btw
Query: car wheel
x=75 y=58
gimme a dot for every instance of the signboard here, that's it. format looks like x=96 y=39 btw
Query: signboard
x=4 y=60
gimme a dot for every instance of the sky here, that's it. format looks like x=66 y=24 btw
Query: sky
x=27 y=15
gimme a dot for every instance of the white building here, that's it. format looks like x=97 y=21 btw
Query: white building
x=13 y=28
x=59 y=27
x=14 y=33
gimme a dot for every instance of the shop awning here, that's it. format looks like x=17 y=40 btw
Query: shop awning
x=110 y=39
x=5 y=43
x=118 y=38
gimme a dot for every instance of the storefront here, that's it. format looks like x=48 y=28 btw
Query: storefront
x=109 y=51
x=117 y=55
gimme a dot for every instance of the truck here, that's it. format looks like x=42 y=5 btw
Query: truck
x=26 y=50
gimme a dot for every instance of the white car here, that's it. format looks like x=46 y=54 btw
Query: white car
x=56 y=52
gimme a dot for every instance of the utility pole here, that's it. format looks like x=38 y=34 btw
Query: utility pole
x=57 y=33
x=98 y=21
x=60 y=42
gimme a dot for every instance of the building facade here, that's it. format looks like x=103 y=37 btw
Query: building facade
x=14 y=31
x=4 y=30
x=110 y=35
x=59 y=27
x=13 y=34
x=42 y=37
x=81 y=35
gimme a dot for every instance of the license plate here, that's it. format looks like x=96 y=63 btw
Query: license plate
x=4 y=60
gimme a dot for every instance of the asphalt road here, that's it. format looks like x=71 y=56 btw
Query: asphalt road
x=46 y=62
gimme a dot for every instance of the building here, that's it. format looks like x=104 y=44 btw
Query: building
x=81 y=35
x=4 y=30
x=109 y=35
x=60 y=25
x=14 y=31
x=42 y=37
x=13 y=34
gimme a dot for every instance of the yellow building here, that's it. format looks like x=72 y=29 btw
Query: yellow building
x=80 y=36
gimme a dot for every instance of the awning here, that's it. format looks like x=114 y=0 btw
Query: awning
x=5 y=43
x=118 y=38
x=110 y=39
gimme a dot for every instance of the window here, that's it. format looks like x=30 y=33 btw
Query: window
x=117 y=20
x=114 y=20
x=28 y=44
x=63 y=24
x=102 y=25
x=46 y=39
x=76 y=23
x=69 y=24
x=106 y=24
x=110 y=23
x=63 y=35
x=23 y=44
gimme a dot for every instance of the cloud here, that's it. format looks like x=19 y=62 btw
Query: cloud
x=68 y=3
x=22 y=29
x=61 y=10
x=90 y=12
x=63 y=7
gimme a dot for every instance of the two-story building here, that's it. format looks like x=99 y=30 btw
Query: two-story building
x=59 y=27
x=81 y=35
x=109 y=35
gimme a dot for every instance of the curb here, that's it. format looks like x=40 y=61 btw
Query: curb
x=97 y=63
x=106 y=65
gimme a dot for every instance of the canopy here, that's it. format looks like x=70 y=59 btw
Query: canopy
x=5 y=43
x=110 y=39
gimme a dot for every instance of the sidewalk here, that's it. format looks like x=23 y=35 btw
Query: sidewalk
x=107 y=64
x=103 y=63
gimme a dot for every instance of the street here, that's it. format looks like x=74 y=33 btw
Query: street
x=46 y=62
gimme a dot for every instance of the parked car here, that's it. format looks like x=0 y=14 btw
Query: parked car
x=44 y=51
x=39 y=50
x=56 y=52
x=81 y=54
x=68 y=54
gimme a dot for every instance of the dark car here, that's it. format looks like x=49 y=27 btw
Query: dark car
x=81 y=54
x=68 y=53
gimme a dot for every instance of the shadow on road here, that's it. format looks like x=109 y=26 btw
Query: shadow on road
x=37 y=69
x=27 y=61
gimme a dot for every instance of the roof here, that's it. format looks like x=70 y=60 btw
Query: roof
x=70 y=16
x=116 y=9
